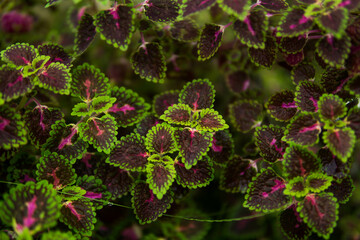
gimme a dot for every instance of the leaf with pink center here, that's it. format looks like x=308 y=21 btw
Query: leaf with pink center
x=320 y=213
x=266 y=192
x=296 y=187
x=222 y=148
x=269 y=140
x=341 y=142
x=331 y=107
x=30 y=207
x=332 y=165
x=292 y=225
x=144 y=126
x=292 y=44
x=88 y=82
x=307 y=96
x=333 y=79
x=209 y=120
x=302 y=72
x=19 y=54
x=303 y=129
x=149 y=62
x=100 y=132
x=160 y=139
x=294 y=23
x=192 y=145
x=185 y=30
x=38 y=122
x=116 y=25
x=56 y=53
x=282 y=105
x=342 y=189
x=129 y=153
x=210 y=40
x=162 y=10
x=237 y=175
x=238 y=8
x=12 y=129
x=245 y=115
x=334 y=22
x=252 y=30
x=79 y=215
x=299 y=161
x=196 y=6
x=147 y=207
x=56 y=78
x=198 y=94
x=274 y=5
x=238 y=81
x=50 y=3
x=165 y=100
x=160 y=174
x=178 y=114
x=129 y=108
x=13 y=84
x=264 y=57
x=353 y=121
x=56 y=169
x=318 y=182
x=334 y=51
x=85 y=34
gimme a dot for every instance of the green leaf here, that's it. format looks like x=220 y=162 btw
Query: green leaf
x=296 y=187
x=57 y=235
x=209 y=120
x=160 y=139
x=178 y=114
x=102 y=104
x=81 y=110
x=341 y=142
x=318 y=182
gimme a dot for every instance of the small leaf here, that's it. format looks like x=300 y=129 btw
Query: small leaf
x=341 y=142
x=196 y=6
x=318 y=182
x=302 y=72
x=266 y=192
x=209 y=120
x=292 y=225
x=332 y=165
x=331 y=107
x=264 y=57
x=320 y=212
x=116 y=25
x=102 y=104
x=160 y=174
x=101 y=132
x=293 y=59
x=178 y=114
x=165 y=100
x=294 y=23
x=237 y=175
x=222 y=148
x=334 y=51
x=56 y=77
x=334 y=21
x=149 y=62
x=245 y=114
x=185 y=30
x=210 y=41
x=85 y=34
x=353 y=121
x=342 y=189
x=238 y=8
x=19 y=54
x=160 y=139
x=282 y=105
x=296 y=187
x=303 y=129
x=147 y=206
x=292 y=44
x=162 y=10
x=307 y=96
x=198 y=94
x=81 y=110
x=129 y=153
x=56 y=53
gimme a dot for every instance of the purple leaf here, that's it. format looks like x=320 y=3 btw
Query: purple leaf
x=178 y=114
x=238 y=81
x=146 y=124
x=292 y=44
x=56 y=78
x=264 y=57
x=342 y=189
x=209 y=120
x=333 y=79
x=307 y=96
x=12 y=129
x=294 y=23
x=353 y=121
x=194 y=6
x=294 y=59
x=162 y=10
x=274 y=5
x=354 y=86
x=282 y=105
x=334 y=21
x=331 y=107
x=292 y=225
x=85 y=34
x=165 y=100
x=245 y=114
x=160 y=139
x=332 y=165
x=198 y=94
x=334 y=51
x=222 y=148
x=238 y=8
x=56 y=53
x=19 y=54
x=341 y=142
x=210 y=41
x=303 y=72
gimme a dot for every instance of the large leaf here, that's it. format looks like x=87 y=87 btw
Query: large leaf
x=56 y=53
x=165 y=100
x=331 y=107
x=341 y=142
x=19 y=54
x=245 y=114
x=334 y=51
x=56 y=77
x=146 y=124
x=303 y=72
x=178 y=114
x=209 y=120
x=334 y=21
x=292 y=225
x=160 y=139
x=238 y=8
x=194 y=6
x=282 y=105
x=342 y=189
x=292 y=44
x=198 y=94
x=307 y=96
x=294 y=23
x=210 y=41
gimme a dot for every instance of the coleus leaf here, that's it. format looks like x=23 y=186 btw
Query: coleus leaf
x=38 y=122
x=160 y=174
x=296 y=187
x=57 y=235
x=332 y=79
x=282 y=105
x=31 y=206
x=13 y=84
x=264 y=57
x=238 y=81
x=341 y=142
x=294 y=23
x=147 y=206
x=56 y=169
x=116 y=25
x=12 y=129
x=38 y=64
x=85 y=33
x=198 y=94
x=192 y=145
x=303 y=129
x=165 y=100
x=210 y=40
x=198 y=176
x=146 y=124
x=266 y=192
x=72 y=193
x=274 y=5
x=162 y=10
x=185 y=30
x=307 y=96
x=101 y=132
x=222 y=148
x=194 y=6
x=292 y=225
x=149 y=62
x=299 y=161
x=353 y=86
x=65 y=140
x=129 y=108
x=269 y=140
x=245 y=114
x=334 y=51
x=252 y=30
x=209 y=120
x=56 y=77
x=318 y=182
x=331 y=107
x=56 y=53
x=81 y=110
x=292 y=44
x=178 y=114
x=129 y=153
x=238 y=8
x=353 y=121
x=302 y=72
x=160 y=139
x=342 y=189
x=332 y=165
x=294 y=59
x=334 y=21
x=237 y=175
x=101 y=104
x=88 y=82
x=79 y=215
x=320 y=212
x=19 y=54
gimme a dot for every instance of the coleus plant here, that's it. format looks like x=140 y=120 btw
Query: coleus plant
x=109 y=143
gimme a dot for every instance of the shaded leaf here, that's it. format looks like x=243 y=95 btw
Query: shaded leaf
x=264 y=57
x=341 y=142
x=238 y=8
x=19 y=54
x=302 y=72
x=334 y=21
x=85 y=34
x=334 y=51
x=210 y=40
x=222 y=148
x=56 y=53
x=198 y=94
x=245 y=114
x=185 y=30
x=307 y=96
x=282 y=105
x=342 y=189
x=162 y=10
x=294 y=23
x=331 y=107
x=196 y=5
x=292 y=225
x=165 y=100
